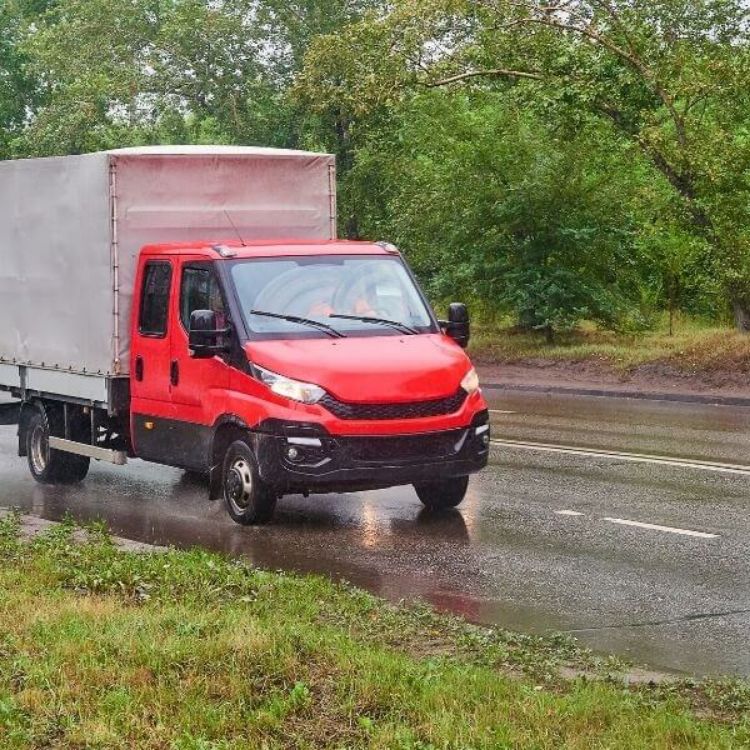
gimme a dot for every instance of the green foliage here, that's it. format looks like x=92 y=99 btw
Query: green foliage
x=665 y=78
x=491 y=204
x=16 y=88
x=554 y=162
x=107 y=73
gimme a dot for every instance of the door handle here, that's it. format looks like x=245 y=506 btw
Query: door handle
x=139 y=369
x=174 y=373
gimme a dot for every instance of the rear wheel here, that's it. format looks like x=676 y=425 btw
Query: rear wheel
x=446 y=493
x=248 y=498
x=47 y=465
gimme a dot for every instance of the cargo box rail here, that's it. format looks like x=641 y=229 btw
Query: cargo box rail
x=98 y=391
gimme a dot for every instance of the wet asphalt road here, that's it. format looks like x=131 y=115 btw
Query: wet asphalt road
x=668 y=600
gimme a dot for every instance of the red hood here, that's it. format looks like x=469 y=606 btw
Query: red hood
x=377 y=369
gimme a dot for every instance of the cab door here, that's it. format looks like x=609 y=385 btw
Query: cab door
x=149 y=358
x=198 y=387
x=150 y=387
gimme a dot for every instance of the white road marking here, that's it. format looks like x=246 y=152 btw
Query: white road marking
x=568 y=513
x=644 y=458
x=656 y=527
x=502 y=411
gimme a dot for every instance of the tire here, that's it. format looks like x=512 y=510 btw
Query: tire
x=249 y=500
x=447 y=493
x=46 y=465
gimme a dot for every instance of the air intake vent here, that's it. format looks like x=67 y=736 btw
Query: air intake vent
x=409 y=410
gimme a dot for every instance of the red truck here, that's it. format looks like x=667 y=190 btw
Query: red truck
x=191 y=306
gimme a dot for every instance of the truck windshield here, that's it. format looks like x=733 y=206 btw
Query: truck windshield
x=302 y=296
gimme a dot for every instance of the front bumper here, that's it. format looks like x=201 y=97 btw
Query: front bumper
x=304 y=457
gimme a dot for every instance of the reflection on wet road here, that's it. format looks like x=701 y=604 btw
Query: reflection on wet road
x=509 y=555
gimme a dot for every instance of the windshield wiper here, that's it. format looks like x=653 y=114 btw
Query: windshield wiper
x=330 y=330
x=403 y=327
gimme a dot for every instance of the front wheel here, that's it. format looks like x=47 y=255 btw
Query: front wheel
x=446 y=493
x=248 y=498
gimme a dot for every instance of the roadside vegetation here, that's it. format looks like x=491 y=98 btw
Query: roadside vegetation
x=101 y=648
x=691 y=348
x=551 y=163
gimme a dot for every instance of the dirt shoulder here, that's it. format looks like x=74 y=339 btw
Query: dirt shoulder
x=656 y=380
x=693 y=363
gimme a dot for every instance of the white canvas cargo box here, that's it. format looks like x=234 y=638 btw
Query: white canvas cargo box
x=71 y=229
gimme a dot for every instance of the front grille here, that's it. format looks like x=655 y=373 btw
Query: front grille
x=406 y=447
x=409 y=410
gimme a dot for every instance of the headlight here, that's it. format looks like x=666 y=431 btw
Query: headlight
x=470 y=383
x=307 y=393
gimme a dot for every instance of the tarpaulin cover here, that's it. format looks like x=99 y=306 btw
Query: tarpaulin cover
x=60 y=217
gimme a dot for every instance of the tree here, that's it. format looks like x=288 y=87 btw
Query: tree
x=88 y=57
x=116 y=72
x=291 y=26
x=668 y=76
x=493 y=205
x=16 y=86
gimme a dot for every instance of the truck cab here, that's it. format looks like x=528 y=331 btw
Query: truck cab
x=300 y=367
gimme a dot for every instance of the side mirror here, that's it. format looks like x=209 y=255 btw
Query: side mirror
x=206 y=339
x=457 y=326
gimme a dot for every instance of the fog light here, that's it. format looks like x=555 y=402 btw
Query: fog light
x=483 y=434
x=292 y=453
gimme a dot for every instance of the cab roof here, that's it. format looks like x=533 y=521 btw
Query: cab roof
x=231 y=250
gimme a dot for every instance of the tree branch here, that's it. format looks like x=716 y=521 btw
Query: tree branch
x=682 y=182
x=628 y=57
x=492 y=73
x=610 y=9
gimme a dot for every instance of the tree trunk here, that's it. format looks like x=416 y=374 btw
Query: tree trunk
x=672 y=295
x=741 y=315
x=351 y=228
x=527 y=320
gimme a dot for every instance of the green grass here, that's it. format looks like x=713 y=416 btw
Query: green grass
x=693 y=347
x=105 y=649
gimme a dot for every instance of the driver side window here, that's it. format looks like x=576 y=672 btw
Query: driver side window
x=200 y=290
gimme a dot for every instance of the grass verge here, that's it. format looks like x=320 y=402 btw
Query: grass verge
x=101 y=648
x=691 y=349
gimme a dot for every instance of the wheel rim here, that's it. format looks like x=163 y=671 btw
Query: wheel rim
x=239 y=485
x=39 y=449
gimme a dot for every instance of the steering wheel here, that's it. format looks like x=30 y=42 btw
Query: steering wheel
x=360 y=283
x=297 y=291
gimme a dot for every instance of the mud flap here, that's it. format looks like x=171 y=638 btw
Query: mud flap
x=215 y=491
x=10 y=413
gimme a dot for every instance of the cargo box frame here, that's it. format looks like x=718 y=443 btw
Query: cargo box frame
x=71 y=229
